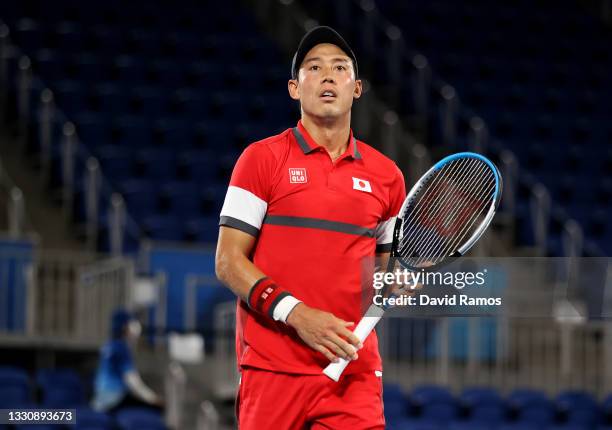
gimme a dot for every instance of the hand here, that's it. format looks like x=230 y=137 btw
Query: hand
x=158 y=401
x=324 y=332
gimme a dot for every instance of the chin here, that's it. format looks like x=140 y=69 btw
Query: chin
x=329 y=112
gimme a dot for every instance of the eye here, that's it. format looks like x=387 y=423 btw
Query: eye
x=314 y=67
x=341 y=67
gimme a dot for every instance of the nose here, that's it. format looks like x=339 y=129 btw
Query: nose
x=328 y=77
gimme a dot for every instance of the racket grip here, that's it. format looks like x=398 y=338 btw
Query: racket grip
x=362 y=331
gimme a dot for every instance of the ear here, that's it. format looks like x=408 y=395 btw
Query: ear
x=358 y=89
x=294 y=89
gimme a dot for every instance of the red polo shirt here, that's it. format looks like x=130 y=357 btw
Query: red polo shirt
x=316 y=221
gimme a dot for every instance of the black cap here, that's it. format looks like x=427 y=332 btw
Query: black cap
x=321 y=34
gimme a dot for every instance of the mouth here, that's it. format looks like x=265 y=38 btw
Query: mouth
x=328 y=95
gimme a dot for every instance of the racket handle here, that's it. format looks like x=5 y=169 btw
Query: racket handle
x=362 y=331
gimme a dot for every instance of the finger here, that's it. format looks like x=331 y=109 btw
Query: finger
x=347 y=323
x=351 y=338
x=326 y=352
x=336 y=349
x=348 y=350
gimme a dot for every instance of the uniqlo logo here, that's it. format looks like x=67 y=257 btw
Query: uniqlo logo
x=297 y=176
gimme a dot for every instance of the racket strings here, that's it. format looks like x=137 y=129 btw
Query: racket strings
x=457 y=218
x=440 y=216
x=432 y=212
x=440 y=247
x=433 y=244
x=422 y=209
x=461 y=221
x=468 y=227
x=445 y=247
x=452 y=244
x=432 y=189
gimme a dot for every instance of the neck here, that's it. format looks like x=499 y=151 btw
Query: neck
x=333 y=135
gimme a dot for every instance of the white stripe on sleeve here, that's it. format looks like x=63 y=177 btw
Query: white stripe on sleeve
x=244 y=206
x=384 y=231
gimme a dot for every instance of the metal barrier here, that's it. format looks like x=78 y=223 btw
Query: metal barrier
x=544 y=355
x=225 y=350
x=13 y=217
x=192 y=284
x=208 y=417
x=16 y=268
x=101 y=287
x=64 y=297
x=175 y=384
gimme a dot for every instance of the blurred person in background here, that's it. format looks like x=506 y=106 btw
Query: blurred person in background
x=118 y=383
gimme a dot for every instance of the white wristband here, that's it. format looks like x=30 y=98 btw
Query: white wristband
x=284 y=308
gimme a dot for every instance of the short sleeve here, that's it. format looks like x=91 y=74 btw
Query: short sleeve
x=123 y=358
x=246 y=201
x=384 y=229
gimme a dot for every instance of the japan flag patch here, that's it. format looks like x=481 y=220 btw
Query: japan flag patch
x=361 y=185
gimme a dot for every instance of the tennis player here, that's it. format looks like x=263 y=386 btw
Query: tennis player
x=302 y=212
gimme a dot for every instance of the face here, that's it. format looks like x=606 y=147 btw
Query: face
x=133 y=330
x=326 y=85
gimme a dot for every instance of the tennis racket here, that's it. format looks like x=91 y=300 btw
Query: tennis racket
x=443 y=216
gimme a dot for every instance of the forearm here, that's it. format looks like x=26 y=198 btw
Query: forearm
x=246 y=280
x=238 y=273
x=139 y=389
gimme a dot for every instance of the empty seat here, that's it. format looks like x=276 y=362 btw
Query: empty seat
x=140 y=197
x=202 y=229
x=163 y=227
x=139 y=419
x=88 y=419
x=15 y=391
x=155 y=164
x=180 y=198
x=61 y=388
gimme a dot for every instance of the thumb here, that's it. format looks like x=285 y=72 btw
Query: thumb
x=347 y=323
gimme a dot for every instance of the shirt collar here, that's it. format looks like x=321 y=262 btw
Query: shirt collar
x=308 y=145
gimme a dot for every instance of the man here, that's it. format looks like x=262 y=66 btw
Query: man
x=118 y=383
x=304 y=209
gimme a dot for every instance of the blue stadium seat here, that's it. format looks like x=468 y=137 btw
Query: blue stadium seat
x=204 y=229
x=108 y=97
x=180 y=198
x=480 y=396
x=128 y=69
x=61 y=388
x=132 y=131
x=115 y=162
x=48 y=64
x=396 y=402
x=15 y=391
x=148 y=100
x=140 y=196
x=139 y=419
x=88 y=419
x=70 y=95
x=573 y=399
x=428 y=394
x=522 y=397
x=163 y=227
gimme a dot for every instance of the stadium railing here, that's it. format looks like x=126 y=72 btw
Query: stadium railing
x=61 y=297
